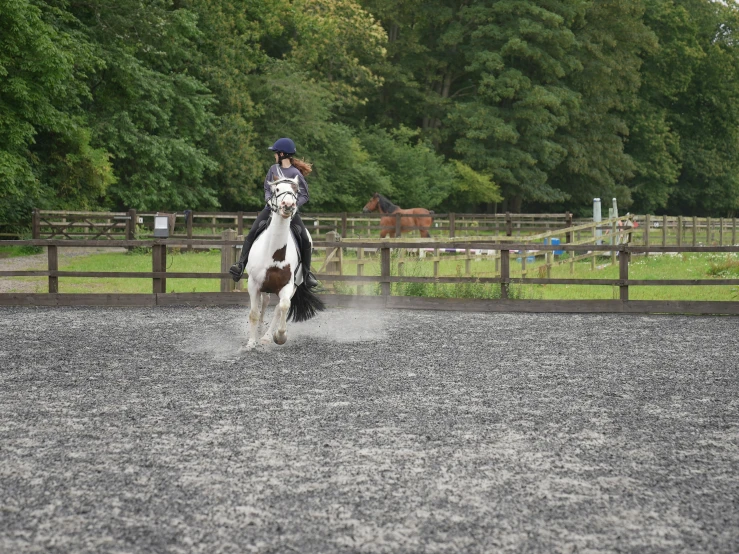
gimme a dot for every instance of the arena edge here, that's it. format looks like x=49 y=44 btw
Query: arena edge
x=385 y=301
x=379 y=303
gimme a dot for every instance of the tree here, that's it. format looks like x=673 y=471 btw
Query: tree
x=520 y=54
x=706 y=116
x=611 y=41
x=231 y=39
x=146 y=107
x=46 y=156
x=667 y=71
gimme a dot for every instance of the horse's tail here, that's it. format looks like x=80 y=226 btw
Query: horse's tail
x=304 y=304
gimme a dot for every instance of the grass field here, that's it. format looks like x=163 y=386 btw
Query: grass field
x=684 y=266
x=18 y=251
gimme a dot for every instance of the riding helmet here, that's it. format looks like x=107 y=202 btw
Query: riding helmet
x=285 y=145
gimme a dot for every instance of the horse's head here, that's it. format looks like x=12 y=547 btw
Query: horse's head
x=373 y=204
x=284 y=200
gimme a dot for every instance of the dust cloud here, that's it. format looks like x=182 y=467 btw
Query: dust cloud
x=332 y=325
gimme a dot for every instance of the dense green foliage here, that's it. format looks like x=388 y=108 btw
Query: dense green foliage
x=447 y=104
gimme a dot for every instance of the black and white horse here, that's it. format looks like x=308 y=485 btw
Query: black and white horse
x=274 y=268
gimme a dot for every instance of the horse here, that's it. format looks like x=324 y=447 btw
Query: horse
x=274 y=268
x=417 y=218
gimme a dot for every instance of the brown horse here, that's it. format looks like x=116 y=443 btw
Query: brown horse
x=416 y=218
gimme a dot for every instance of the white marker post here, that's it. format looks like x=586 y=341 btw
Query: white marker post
x=597 y=219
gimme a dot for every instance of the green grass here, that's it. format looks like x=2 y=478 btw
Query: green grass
x=17 y=251
x=684 y=266
x=205 y=262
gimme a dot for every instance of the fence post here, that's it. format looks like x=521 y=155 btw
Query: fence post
x=572 y=262
x=524 y=255
x=508 y=224
x=623 y=273
x=397 y=225
x=36 y=223
x=188 y=225
x=131 y=227
x=708 y=231
x=695 y=231
x=53 y=266
x=721 y=231
x=343 y=224
x=679 y=230
x=505 y=273
x=385 y=270
x=733 y=230
x=360 y=269
x=451 y=225
x=227 y=284
x=159 y=265
x=568 y=224
x=664 y=230
x=436 y=262
x=240 y=223
x=647 y=227
x=614 y=230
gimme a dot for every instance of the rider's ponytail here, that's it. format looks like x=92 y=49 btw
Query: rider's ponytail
x=304 y=167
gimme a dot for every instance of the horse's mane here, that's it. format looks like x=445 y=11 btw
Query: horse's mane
x=387 y=206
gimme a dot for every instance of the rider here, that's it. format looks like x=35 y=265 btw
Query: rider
x=285 y=166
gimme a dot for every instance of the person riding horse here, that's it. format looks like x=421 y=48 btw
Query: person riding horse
x=286 y=166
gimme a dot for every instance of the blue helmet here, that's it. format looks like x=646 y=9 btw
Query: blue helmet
x=285 y=145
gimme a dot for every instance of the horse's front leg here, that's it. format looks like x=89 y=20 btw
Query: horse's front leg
x=280 y=336
x=267 y=337
x=254 y=313
x=263 y=303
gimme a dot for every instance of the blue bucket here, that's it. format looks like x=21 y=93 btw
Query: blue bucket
x=554 y=242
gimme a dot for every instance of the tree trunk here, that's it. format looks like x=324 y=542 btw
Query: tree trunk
x=516 y=202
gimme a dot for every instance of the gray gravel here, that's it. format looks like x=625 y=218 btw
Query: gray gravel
x=144 y=430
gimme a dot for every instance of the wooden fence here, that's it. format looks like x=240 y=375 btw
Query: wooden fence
x=613 y=231
x=158 y=275
x=679 y=230
x=130 y=225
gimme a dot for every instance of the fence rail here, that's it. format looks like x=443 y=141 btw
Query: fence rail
x=131 y=224
x=158 y=275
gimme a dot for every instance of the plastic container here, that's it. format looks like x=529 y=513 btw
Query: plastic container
x=554 y=242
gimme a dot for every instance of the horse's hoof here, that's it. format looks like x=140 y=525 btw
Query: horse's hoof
x=265 y=340
x=251 y=345
x=280 y=338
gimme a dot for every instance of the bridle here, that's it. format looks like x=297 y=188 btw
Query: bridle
x=274 y=201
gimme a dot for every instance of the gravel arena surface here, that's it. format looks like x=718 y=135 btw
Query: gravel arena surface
x=145 y=430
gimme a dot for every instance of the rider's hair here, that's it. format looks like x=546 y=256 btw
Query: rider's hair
x=304 y=167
